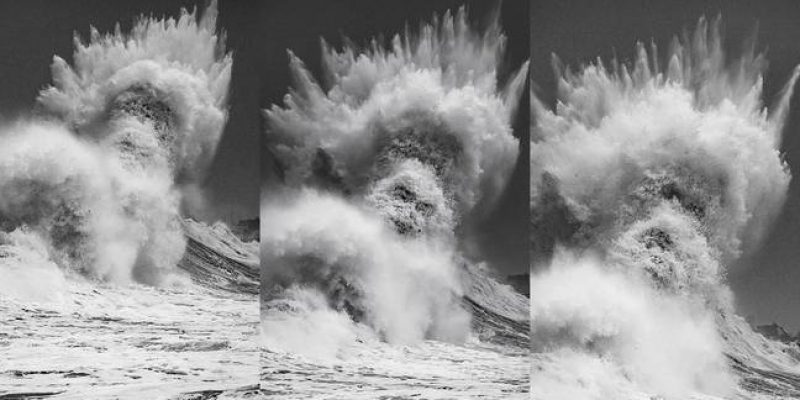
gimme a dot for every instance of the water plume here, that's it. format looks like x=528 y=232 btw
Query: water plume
x=169 y=74
x=98 y=178
x=408 y=141
x=653 y=180
x=432 y=96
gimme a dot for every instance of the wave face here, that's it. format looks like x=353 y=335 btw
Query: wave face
x=383 y=165
x=94 y=188
x=218 y=259
x=646 y=184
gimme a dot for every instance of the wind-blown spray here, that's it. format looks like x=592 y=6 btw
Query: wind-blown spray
x=406 y=142
x=655 y=180
x=135 y=119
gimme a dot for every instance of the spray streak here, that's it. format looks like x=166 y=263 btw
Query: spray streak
x=406 y=142
x=655 y=180
x=138 y=115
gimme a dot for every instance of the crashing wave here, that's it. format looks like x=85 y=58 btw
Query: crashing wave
x=130 y=125
x=402 y=144
x=652 y=181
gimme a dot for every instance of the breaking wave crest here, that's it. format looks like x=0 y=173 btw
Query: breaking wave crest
x=94 y=184
x=383 y=163
x=647 y=182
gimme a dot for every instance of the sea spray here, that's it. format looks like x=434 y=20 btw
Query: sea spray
x=98 y=179
x=402 y=145
x=658 y=343
x=653 y=178
x=406 y=289
x=169 y=74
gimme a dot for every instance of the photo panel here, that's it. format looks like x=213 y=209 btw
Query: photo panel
x=395 y=202
x=663 y=207
x=128 y=201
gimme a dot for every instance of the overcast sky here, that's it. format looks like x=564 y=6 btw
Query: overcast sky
x=32 y=31
x=766 y=282
x=298 y=25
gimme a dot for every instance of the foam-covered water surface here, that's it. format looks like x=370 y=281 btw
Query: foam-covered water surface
x=128 y=341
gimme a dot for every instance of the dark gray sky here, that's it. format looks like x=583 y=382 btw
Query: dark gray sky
x=766 y=282
x=32 y=31
x=298 y=25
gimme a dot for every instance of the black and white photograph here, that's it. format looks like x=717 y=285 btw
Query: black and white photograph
x=399 y=199
x=664 y=234
x=395 y=201
x=128 y=203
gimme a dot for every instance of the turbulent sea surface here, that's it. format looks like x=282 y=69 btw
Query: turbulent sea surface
x=491 y=364
x=137 y=341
